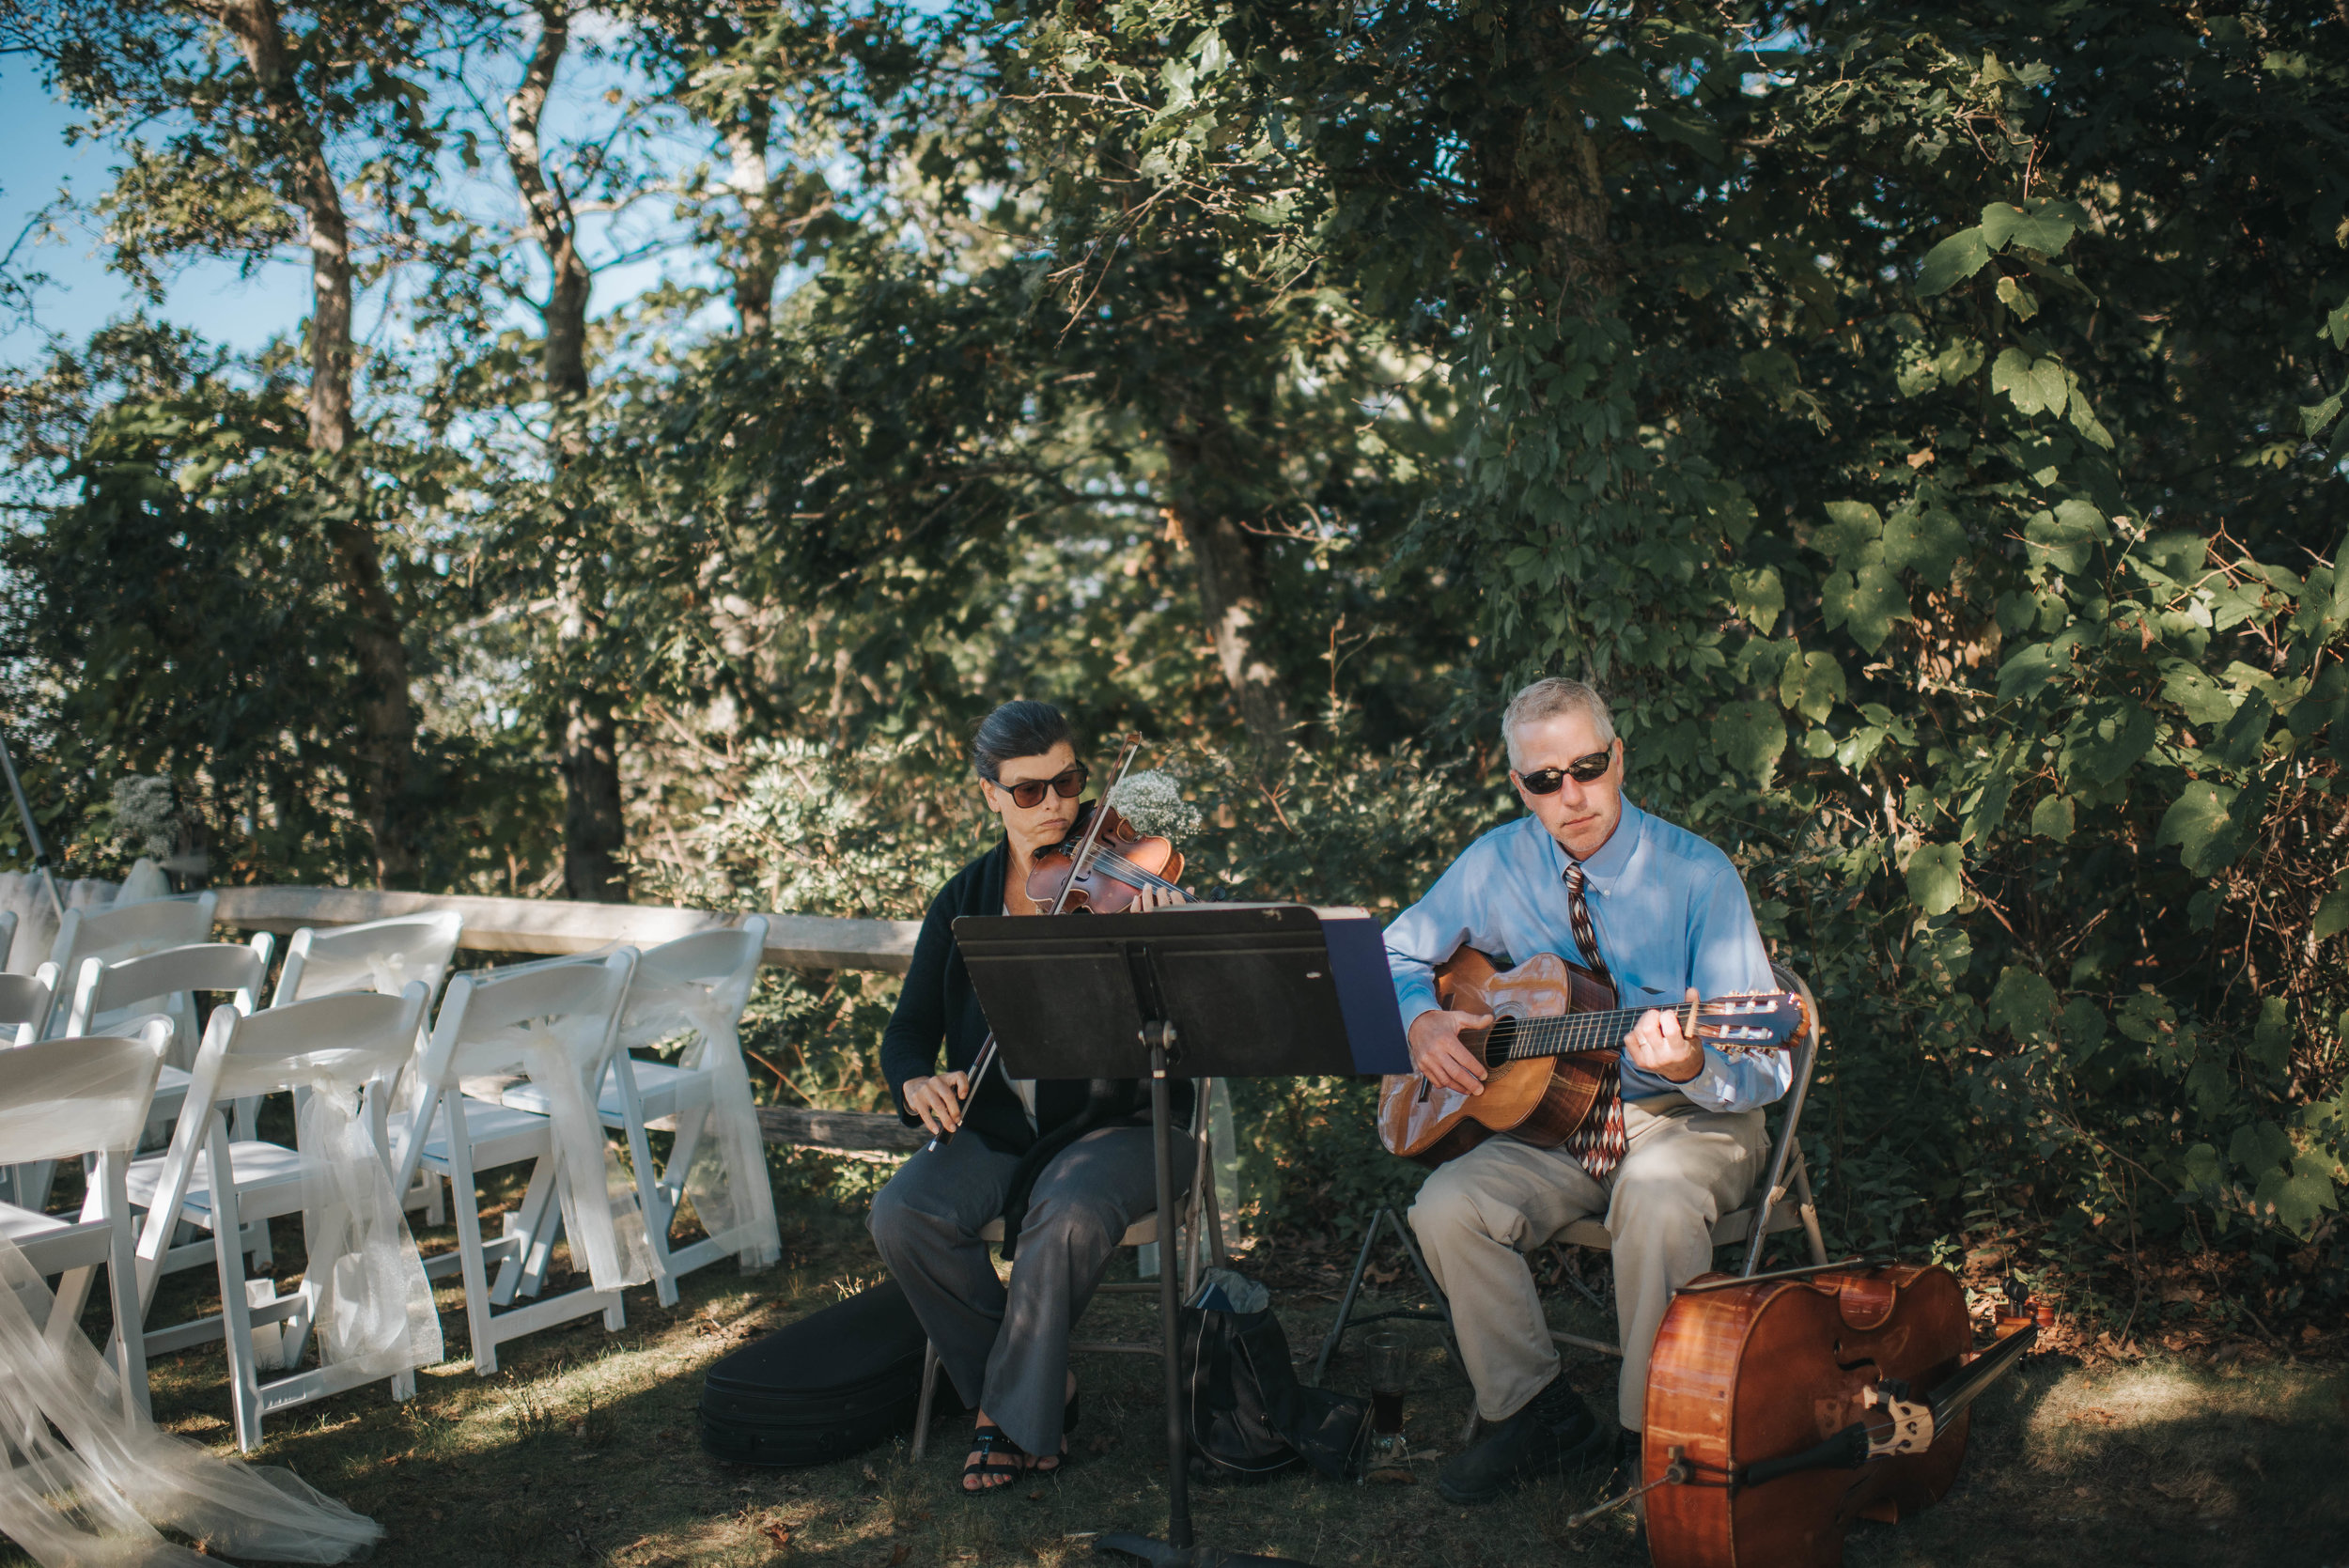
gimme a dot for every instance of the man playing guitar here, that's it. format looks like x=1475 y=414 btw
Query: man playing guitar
x=1658 y=912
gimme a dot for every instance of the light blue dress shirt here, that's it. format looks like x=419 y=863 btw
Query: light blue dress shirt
x=1670 y=913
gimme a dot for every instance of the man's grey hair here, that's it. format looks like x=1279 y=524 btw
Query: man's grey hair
x=1549 y=697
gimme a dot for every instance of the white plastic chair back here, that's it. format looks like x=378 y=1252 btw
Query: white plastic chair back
x=380 y=955
x=131 y=931
x=559 y=1024
x=68 y=1098
x=105 y=989
x=25 y=1001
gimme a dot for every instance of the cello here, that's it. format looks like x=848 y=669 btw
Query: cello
x=1783 y=1406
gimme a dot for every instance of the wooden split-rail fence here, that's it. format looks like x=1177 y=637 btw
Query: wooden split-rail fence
x=549 y=926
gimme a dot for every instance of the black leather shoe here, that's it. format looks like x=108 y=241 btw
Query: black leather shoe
x=1554 y=1432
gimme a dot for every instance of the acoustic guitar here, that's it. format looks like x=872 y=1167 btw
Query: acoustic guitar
x=1555 y=1036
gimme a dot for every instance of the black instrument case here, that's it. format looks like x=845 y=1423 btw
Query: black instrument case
x=836 y=1382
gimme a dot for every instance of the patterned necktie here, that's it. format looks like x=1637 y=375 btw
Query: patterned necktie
x=1598 y=1140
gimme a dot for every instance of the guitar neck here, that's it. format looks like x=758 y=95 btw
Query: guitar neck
x=1569 y=1033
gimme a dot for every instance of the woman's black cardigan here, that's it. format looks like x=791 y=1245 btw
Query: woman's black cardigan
x=938 y=1001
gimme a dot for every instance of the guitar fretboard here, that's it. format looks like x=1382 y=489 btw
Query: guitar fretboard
x=1566 y=1034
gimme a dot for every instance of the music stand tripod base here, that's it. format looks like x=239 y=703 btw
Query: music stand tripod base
x=1159 y=1555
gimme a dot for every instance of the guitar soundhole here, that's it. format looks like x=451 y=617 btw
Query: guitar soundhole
x=1496 y=1047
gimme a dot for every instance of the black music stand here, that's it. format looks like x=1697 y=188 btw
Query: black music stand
x=1225 y=990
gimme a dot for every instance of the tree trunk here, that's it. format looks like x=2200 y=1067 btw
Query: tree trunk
x=593 y=832
x=586 y=734
x=1232 y=597
x=1539 y=177
x=758 y=260
x=387 y=720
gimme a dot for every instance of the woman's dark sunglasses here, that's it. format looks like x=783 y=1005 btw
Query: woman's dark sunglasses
x=1028 y=793
x=1584 y=769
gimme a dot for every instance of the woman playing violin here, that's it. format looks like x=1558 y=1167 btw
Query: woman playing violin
x=1065 y=1163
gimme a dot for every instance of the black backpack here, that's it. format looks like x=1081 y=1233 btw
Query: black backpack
x=1247 y=1415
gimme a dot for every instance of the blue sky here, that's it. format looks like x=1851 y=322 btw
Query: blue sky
x=219 y=299
x=210 y=296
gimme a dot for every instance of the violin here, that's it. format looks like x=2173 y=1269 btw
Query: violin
x=1783 y=1406
x=1105 y=877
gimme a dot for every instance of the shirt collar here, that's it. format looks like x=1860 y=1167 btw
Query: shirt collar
x=1607 y=868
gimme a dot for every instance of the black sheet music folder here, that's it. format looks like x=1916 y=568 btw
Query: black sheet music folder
x=1255 y=990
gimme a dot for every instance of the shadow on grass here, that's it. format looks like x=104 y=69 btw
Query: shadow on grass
x=583 y=1449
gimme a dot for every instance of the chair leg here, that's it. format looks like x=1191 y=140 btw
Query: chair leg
x=236 y=1316
x=1808 y=1208
x=1346 y=1303
x=657 y=1215
x=129 y=1350
x=930 y=1392
x=532 y=1229
x=466 y=1201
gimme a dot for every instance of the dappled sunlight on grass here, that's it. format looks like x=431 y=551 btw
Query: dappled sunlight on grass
x=583 y=1449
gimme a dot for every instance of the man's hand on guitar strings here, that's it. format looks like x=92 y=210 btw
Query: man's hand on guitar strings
x=938 y=1100
x=1438 y=1055
x=1658 y=1044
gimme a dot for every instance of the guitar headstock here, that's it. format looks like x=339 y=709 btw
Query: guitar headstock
x=1751 y=1020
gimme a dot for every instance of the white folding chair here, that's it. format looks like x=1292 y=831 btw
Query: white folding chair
x=108 y=991
x=131 y=931
x=697 y=986
x=64 y=1098
x=363 y=1293
x=382 y=955
x=548 y=1021
x=1199 y=1242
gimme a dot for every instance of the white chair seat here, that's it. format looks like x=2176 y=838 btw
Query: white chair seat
x=264 y=1172
x=500 y=1135
x=657 y=1089
x=23 y=1225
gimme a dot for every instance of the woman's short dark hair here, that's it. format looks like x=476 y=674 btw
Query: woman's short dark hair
x=1016 y=729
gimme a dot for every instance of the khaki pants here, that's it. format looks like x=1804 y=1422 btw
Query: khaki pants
x=1478 y=1216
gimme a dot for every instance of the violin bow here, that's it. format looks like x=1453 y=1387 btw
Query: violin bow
x=1084 y=852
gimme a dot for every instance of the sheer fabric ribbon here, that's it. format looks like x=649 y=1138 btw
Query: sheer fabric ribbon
x=371 y=1304
x=606 y=1226
x=727 y=1177
x=82 y=1481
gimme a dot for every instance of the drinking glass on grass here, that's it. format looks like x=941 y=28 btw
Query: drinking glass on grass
x=1390 y=1369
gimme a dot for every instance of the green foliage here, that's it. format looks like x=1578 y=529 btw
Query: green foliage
x=1926 y=422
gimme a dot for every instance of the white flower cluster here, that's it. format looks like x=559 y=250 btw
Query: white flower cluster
x=1154 y=803
x=146 y=816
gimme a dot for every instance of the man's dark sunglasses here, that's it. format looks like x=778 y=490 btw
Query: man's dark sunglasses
x=1028 y=793
x=1584 y=769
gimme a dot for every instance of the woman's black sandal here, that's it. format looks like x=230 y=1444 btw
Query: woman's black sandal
x=987 y=1442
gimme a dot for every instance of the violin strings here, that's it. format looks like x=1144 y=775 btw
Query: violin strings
x=1124 y=870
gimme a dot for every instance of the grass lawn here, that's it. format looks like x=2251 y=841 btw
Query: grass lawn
x=583 y=1450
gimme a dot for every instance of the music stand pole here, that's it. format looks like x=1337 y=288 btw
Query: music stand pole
x=1160 y=1037
x=1206 y=990
x=32 y=833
